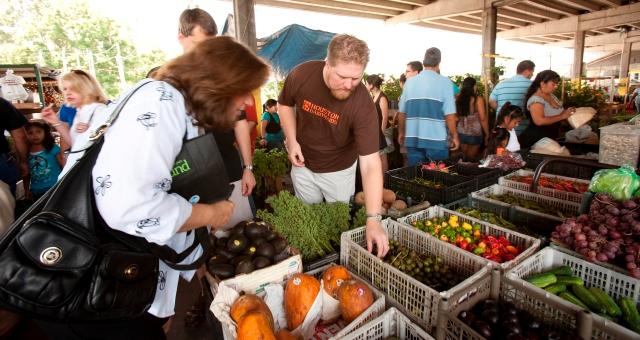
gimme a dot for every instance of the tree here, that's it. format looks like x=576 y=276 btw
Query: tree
x=34 y=31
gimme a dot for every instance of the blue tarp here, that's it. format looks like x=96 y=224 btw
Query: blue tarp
x=294 y=45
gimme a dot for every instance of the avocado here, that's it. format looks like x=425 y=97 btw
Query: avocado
x=240 y=258
x=266 y=250
x=224 y=252
x=217 y=259
x=221 y=242
x=270 y=235
x=254 y=230
x=279 y=245
x=244 y=267
x=237 y=243
x=239 y=227
x=251 y=249
x=222 y=271
x=259 y=241
x=261 y=262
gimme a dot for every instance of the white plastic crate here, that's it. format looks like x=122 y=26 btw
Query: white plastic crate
x=560 y=194
x=613 y=283
x=391 y=323
x=527 y=244
x=452 y=328
x=417 y=300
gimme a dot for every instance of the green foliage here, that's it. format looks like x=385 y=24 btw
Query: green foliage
x=479 y=84
x=271 y=90
x=268 y=165
x=50 y=28
x=580 y=95
x=360 y=219
x=392 y=88
x=313 y=229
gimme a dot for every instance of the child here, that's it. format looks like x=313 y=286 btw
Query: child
x=509 y=118
x=45 y=159
x=498 y=141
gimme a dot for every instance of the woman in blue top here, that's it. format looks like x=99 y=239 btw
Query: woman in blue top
x=545 y=109
x=272 y=136
x=45 y=158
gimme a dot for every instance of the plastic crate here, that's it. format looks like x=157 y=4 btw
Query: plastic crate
x=329 y=259
x=560 y=194
x=484 y=177
x=535 y=220
x=528 y=244
x=452 y=328
x=455 y=186
x=417 y=300
x=620 y=144
x=561 y=169
x=465 y=202
x=391 y=323
x=613 y=283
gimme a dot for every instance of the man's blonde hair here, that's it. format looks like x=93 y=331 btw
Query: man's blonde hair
x=85 y=84
x=347 y=49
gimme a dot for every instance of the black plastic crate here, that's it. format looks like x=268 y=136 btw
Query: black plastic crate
x=455 y=186
x=561 y=169
x=484 y=177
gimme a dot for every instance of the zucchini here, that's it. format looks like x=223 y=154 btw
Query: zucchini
x=573 y=299
x=630 y=313
x=562 y=270
x=605 y=300
x=585 y=296
x=569 y=280
x=542 y=280
x=556 y=288
x=609 y=317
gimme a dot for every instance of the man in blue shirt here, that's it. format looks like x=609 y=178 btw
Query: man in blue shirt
x=427 y=109
x=513 y=90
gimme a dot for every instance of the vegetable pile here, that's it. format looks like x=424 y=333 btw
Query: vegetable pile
x=527 y=204
x=495 y=320
x=470 y=238
x=560 y=281
x=609 y=233
x=313 y=229
x=553 y=183
x=430 y=270
x=428 y=183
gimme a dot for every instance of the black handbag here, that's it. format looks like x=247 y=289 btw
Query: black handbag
x=60 y=261
x=272 y=126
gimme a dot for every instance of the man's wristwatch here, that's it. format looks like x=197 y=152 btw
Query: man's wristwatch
x=248 y=167
x=376 y=217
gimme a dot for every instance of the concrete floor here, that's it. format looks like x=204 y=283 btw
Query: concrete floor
x=209 y=329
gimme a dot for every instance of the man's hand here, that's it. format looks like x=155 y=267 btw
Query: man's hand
x=455 y=142
x=378 y=236
x=263 y=142
x=50 y=116
x=295 y=153
x=221 y=213
x=248 y=182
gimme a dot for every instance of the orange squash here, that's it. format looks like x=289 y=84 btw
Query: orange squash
x=284 y=334
x=299 y=294
x=249 y=303
x=355 y=297
x=333 y=278
x=255 y=326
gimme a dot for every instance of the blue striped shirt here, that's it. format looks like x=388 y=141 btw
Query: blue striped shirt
x=512 y=90
x=426 y=99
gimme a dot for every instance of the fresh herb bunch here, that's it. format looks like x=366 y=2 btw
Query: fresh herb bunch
x=313 y=229
x=360 y=219
x=268 y=165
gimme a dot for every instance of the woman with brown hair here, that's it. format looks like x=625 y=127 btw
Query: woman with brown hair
x=132 y=174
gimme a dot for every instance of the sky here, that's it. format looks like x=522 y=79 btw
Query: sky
x=154 y=25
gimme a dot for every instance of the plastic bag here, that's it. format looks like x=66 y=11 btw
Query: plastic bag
x=582 y=135
x=549 y=146
x=582 y=116
x=12 y=88
x=620 y=183
x=506 y=161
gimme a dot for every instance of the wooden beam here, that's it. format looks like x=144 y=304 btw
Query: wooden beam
x=501 y=20
x=587 y=5
x=437 y=10
x=625 y=58
x=489 y=25
x=446 y=28
x=585 y=22
x=449 y=23
x=475 y=21
x=614 y=38
x=610 y=2
x=554 y=7
x=503 y=3
x=292 y=5
x=336 y=5
x=530 y=10
x=505 y=13
x=578 y=55
x=396 y=6
x=414 y=2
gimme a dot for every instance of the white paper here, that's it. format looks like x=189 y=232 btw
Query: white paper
x=221 y=307
x=330 y=307
x=308 y=326
x=274 y=299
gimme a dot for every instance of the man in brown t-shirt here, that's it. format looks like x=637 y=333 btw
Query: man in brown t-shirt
x=334 y=125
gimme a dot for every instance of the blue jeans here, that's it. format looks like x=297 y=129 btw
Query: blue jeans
x=9 y=172
x=416 y=156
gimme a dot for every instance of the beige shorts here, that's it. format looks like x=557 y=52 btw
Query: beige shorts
x=313 y=187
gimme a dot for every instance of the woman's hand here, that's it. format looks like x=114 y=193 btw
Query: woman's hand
x=82 y=127
x=568 y=112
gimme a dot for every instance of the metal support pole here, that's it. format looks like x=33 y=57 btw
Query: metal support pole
x=245 y=23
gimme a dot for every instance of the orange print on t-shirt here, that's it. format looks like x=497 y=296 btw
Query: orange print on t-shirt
x=321 y=112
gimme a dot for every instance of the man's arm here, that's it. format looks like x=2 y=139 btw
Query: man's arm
x=243 y=139
x=493 y=104
x=371 y=170
x=263 y=132
x=288 y=124
x=401 y=126
x=22 y=147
